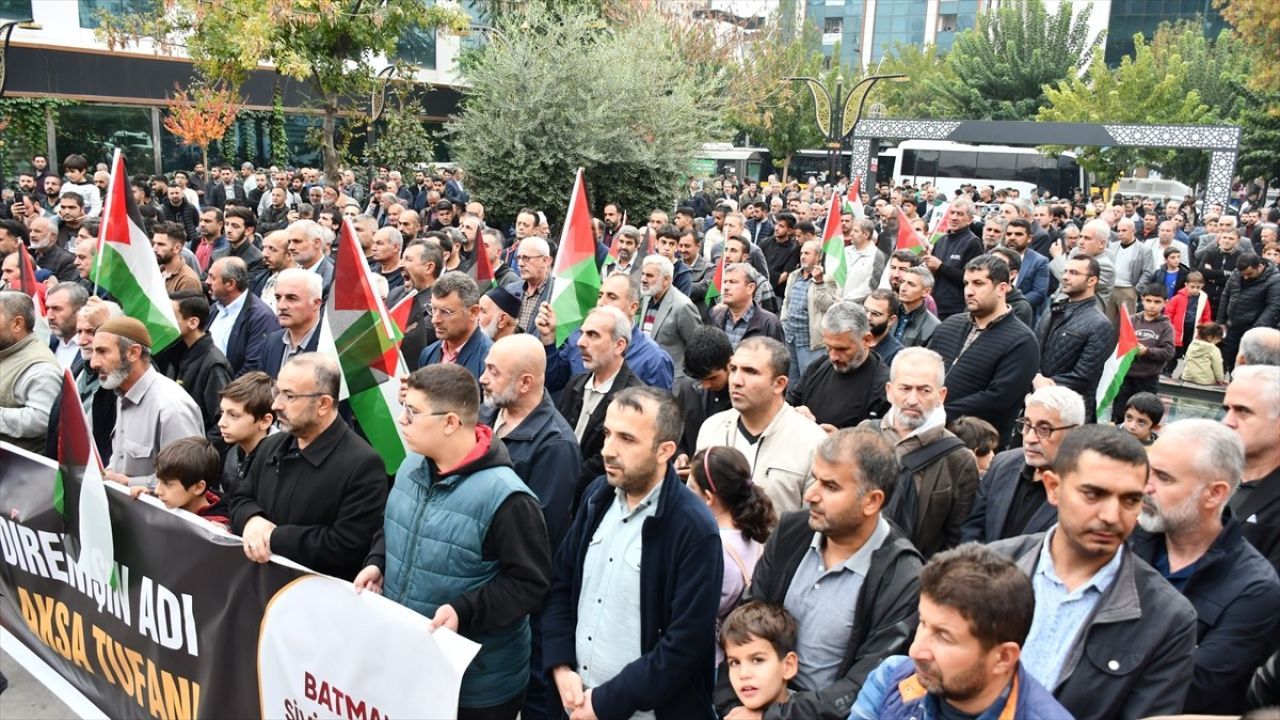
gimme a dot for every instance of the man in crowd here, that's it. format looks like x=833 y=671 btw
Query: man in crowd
x=166 y=242
x=882 y=308
x=627 y=242
x=738 y=314
x=1111 y=638
x=1252 y=403
x=938 y=480
x=1201 y=550
x=239 y=225
x=847 y=386
x=864 y=261
x=385 y=251
x=991 y=357
x=704 y=391
x=152 y=410
x=1094 y=237
x=421 y=267
x=1033 y=273
x=275 y=257
x=298 y=301
x=463 y=542
x=534 y=288
x=1011 y=499
x=455 y=306
x=1075 y=338
x=306 y=246
x=241 y=320
x=846 y=575
x=46 y=252
x=1251 y=299
x=61 y=304
x=1132 y=262
x=202 y=370
x=809 y=293
x=602 y=343
x=279 y=508
x=781 y=251
x=667 y=315
x=778 y=440
x=30 y=378
x=975 y=613
x=630 y=636
x=950 y=257
x=915 y=323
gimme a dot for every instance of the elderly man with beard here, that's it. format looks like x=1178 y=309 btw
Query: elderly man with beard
x=1011 y=499
x=30 y=378
x=152 y=410
x=47 y=254
x=498 y=311
x=975 y=612
x=847 y=386
x=1191 y=539
x=314 y=493
x=61 y=303
x=938 y=479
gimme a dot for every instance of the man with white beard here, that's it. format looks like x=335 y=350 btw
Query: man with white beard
x=499 y=310
x=152 y=410
x=1201 y=550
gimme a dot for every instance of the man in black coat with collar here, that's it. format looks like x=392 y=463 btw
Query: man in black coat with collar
x=949 y=258
x=1253 y=409
x=316 y=492
x=238 y=224
x=606 y=332
x=243 y=338
x=201 y=368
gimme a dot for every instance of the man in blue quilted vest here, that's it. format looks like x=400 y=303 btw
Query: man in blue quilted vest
x=975 y=613
x=464 y=542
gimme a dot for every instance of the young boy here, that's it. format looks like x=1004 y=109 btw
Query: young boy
x=979 y=436
x=1204 y=359
x=1186 y=310
x=1155 y=348
x=246 y=419
x=184 y=470
x=1272 y=252
x=759 y=642
x=1142 y=416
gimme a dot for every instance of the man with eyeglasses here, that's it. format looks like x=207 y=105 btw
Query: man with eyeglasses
x=464 y=542
x=1011 y=498
x=455 y=309
x=314 y=493
x=534 y=289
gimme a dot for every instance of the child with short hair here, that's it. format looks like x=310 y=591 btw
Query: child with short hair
x=1142 y=415
x=1155 y=347
x=979 y=436
x=1186 y=309
x=1271 y=251
x=184 y=470
x=759 y=642
x=245 y=419
x=1204 y=359
x=1173 y=274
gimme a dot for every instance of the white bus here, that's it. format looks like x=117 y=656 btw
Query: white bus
x=950 y=165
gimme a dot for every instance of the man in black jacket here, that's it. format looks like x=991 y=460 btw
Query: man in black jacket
x=1251 y=299
x=704 y=391
x=1117 y=642
x=1075 y=338
x=950 y=257
x=1201 y=551
x=1252 y=402
x=991 y=356
x=314 y=493
x=202 y=370
x=175 y=208
x=239 y=226
x=847 y=575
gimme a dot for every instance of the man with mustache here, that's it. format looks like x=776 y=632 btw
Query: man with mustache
x=30 y=378
x=298 y=299
x=1111 y=638
x=152 y=410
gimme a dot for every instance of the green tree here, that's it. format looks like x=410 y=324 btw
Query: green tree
x=1260 y=136
x=558 y=94
x=402 y=136
x=332 y=44
x=999 y=69
x=925 y=69
x=1257 y=23
x=1143 y=89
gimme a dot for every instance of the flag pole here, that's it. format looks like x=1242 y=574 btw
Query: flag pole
x=102 y=227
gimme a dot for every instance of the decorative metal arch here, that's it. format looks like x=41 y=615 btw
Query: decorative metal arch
x=1222 y=141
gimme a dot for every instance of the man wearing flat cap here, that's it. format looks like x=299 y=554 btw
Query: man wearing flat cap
x=499 y=310
x=151 y=410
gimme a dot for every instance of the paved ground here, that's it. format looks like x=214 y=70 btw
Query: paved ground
x=26 y=698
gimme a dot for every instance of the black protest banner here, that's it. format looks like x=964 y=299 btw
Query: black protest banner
x=177 y=637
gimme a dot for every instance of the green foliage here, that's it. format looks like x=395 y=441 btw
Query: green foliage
x=999 y=69
x=24 y=130
x=403 y=139
x=1260 y=136
x=1143 y=89
x=925 y=67
x=1256 y=23
x=558 y=94
x=331 y=43
x=278 y=138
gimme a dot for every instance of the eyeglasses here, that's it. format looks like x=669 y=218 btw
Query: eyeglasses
x=530 y=258
x=410 y=414
x=290 y=396
x=445 y=313
x=1042 y=431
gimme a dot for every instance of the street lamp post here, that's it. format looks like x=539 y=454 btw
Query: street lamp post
x=6 y=31
x=377 y=103
x=833 y=114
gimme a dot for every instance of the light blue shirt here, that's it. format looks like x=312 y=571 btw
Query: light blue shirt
x=220 y=327
x=824 y=602
x=608 y=634
x=1060 y=615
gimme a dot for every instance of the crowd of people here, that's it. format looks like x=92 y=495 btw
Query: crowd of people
x=746 y=486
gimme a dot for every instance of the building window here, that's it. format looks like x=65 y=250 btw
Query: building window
x=15 y=9
x=95 y=131
x=89 y=9
x=833 y=25
x=417 y=46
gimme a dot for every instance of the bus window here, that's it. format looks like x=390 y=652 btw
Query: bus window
x=997 y=166
x=925 y=166
x=1029 y=169
x=956 y=164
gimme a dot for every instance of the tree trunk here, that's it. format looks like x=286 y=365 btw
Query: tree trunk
x=786 y=167
x=204 y=153
x=329 y=148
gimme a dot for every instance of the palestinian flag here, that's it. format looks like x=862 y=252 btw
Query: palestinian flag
x=941 y=224
x=89 y=525
x=481 y=271
x=577 y=281
x=1117 y=366
x=834 y=264
x=717 y=280
x=29 y=285
x=400 y=313
x=126 y=265
x=364 y=340
x=855 y=191
x=908 y=238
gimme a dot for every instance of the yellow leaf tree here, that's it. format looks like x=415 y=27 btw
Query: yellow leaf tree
x=201 y=114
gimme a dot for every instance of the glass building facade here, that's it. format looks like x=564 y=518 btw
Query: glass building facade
x=845 y=24
x=1130 y=17
x=897 y=21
